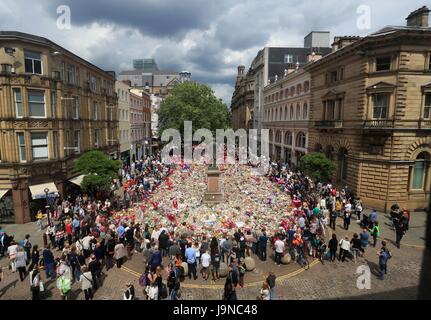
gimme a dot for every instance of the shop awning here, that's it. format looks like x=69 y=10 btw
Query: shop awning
x=77 y=180
x=3 y=192
x=37 y=191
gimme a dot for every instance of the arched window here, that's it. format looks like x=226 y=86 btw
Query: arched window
x=278 y=137
x=298 y=111
x=298 y=89
x=306 y=86
x=291 y=112
x=292 y=91
x=281 y=94
x=301 y=140
x=420 y=169
x=271 y=135
x=276 y=114
x=281 y=113
x=288 y=138
x=286 y=93
x=305 y=111
x=276 y=96
x=286 y=115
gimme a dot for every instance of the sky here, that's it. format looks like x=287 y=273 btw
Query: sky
x=209 y=38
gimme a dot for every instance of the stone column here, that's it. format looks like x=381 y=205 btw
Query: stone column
x=21 y=199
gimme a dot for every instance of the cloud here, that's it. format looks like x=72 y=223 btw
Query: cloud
x=206 y=37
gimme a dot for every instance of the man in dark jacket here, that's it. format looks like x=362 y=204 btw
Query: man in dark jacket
x=164 y=243
x=48 y=260
x=263 y=240
x=95 y=268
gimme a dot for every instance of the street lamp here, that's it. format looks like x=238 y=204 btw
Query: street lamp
x=46 y=190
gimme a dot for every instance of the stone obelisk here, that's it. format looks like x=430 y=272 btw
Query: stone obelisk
x=214 y=194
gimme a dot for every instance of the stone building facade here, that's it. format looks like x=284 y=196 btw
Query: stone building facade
x=242 y=100
x=54 y=106
x=286 y=114
x=370 y=110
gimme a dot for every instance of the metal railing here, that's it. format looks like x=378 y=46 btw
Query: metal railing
x=378 y=124
x=329 y=124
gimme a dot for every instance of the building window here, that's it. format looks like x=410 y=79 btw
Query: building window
x=380 y=105
x=55 y=144
x=36 y=104
x=75 y=108
x=291 y=112
x=53 y=104
x=71 y=74
x=33 y=62
x=329 y=110
x=420 y=171
x=96 y=138
x=39 y=146
x=18 y=102
x=333 y=76
x=383 y=63
x=77 y=141
x=301 y=140
x=298 y=111
x=288 y=58
x=288 y=138
x=343 y=163
x=21 y=147
x=427 y=106
x=93 y=83
x=95 y=111
x=305 y=111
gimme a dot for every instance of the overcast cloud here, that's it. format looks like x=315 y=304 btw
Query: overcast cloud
x=208 y=38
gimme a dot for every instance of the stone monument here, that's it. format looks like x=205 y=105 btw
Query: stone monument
x=213 y=195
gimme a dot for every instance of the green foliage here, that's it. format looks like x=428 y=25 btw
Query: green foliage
x=98 y=169
x=191 y=101
x=317 y=166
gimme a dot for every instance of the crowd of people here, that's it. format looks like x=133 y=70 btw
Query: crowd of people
x=87 y=236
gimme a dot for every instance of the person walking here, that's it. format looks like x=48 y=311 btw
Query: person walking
x=363 y=237
x=333 y=246
x=270 y=280
x=86 y=283
x=375 y=232
x=384 y=255
x=399 y=232
x=35 y=282
x=21 y=263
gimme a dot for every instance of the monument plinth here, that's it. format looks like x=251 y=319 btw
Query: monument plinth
x=213 y=195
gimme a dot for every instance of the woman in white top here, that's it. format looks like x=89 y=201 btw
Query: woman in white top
x=86 y=283
x=153 y=291
x=344 y=248
x=11 y=251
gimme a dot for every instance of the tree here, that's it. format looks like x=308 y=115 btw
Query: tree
x=317 y=166
x=191 y=101
x=98 y=169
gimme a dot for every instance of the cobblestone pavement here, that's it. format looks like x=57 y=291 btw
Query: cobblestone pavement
x=329 y=281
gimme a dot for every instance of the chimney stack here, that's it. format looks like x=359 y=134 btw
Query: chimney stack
x=418 y=18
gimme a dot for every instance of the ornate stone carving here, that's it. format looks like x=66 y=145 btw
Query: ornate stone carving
x=19 y=125
x=38 y=124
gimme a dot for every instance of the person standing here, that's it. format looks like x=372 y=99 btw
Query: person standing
x=86 y=283
x=279 y=250
x=215 y=262
x=270 y=280
x=119 y=254
x=264 y=291
x=333 y=246
x=39 y=217
x=364 y=236
x=399 y=232
x=344 y=249
x=48 y=262
x=347 y=217
x=191 y=261
x=263 y=241
x=12 y=250
x=27 y=247
x=129 y=294
x=95 y=267
x=206 y=261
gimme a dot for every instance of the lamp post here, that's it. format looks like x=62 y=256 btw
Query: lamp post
x=46 y=190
